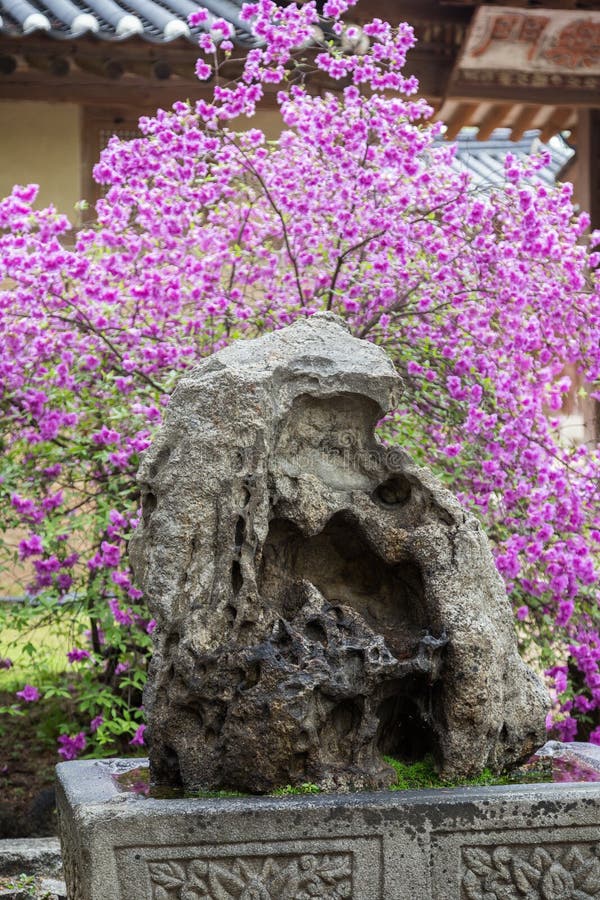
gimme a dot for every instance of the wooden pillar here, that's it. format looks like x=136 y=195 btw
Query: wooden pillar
x=587 y=195
x=588 y=163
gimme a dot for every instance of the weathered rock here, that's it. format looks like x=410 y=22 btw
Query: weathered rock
x=320 y=599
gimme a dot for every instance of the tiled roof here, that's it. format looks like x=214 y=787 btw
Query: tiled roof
x=485 y=159
x=157 y=21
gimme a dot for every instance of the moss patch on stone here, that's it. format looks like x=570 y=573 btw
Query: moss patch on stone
x=422 y=774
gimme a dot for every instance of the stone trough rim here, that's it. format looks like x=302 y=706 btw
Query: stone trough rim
x=429 y=797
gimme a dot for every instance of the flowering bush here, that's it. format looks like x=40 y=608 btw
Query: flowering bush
x=206 y=235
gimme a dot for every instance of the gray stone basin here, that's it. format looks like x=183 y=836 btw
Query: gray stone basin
x=493 y=843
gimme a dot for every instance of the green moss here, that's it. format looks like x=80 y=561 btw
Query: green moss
x=306 y=788
x=414 y=776
x=422 y=774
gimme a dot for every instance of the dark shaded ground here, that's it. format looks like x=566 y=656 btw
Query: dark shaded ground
x=26 y=775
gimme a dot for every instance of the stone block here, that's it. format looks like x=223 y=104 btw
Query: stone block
x=494 y=843
x=32 y=855
x=53 y=889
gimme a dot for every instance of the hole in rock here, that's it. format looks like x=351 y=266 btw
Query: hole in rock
x=346 y=570
x=403 y=731
x=171 y=771
x=394 y=492
x=281 y=634
x=236 y=577
x=314 y=631
x=240 y=532
x=149 y=502
x=231 y=613
x=251 y=676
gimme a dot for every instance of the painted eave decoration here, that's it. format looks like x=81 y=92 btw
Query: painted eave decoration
x=539 y=48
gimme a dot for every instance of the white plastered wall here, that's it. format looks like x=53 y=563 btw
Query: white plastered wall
x=40 y=143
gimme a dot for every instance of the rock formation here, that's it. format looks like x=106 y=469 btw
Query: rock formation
x=321 y=600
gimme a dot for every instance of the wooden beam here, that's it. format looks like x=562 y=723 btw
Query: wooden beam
x=186 y=71
x=556 y=122
x=153 y=68
x=89 y=90
x=93 y=49
x=524 y=121
x=459 y=118
x=579 y=91
x=588 y=163
x=8 y=64
x=492 y=119
x=411 y=11
x=106 y=67
x=132 y=92
x=55 y=65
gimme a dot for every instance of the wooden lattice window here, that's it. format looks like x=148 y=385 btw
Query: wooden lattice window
x=98 y=126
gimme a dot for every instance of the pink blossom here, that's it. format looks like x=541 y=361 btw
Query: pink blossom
x=52 y=501
x=77 y=655
x=29 y=694
x=138 y=739
x=595 y=736
x=203 y=70
x=198 y=17
x=106 y=436
x=121 y=617
x=71 y=746
x=110 y=555
x=30 y=546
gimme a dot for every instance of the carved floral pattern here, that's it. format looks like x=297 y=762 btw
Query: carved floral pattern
x=552 y=872
x=323 y=876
